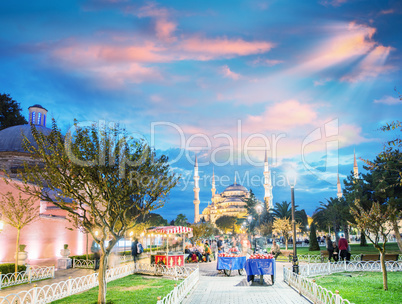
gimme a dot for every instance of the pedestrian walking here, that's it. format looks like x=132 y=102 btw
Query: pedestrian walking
x=330 y=248
x=343 y=247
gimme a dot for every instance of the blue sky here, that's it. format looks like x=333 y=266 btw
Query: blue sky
x=310 y=81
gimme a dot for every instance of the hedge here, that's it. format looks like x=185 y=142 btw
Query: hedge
x=10 y=268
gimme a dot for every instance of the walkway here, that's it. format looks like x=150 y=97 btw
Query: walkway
x=218 y=289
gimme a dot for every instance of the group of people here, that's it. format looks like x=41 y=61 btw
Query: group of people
x=340 y=251
x=201 y=252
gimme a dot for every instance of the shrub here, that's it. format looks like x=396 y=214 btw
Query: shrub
x=10 y=268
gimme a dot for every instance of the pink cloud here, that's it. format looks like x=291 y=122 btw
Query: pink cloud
x=226 y=72
x=386 y=12
x=223 y=47
x=151 y=9
x=371 y=66
x=388 y=100
x=334 y=3
x=165 y=29
x=267 y=62
x=282 y=116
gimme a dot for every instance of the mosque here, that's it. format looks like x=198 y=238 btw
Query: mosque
x=44 y=238
x=231 y=202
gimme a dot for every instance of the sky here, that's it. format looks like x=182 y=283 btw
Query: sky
x=307 y=82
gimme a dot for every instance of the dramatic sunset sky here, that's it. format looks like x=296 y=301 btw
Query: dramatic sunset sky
x=310 y=81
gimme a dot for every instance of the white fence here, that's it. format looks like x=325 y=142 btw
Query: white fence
x=31 y=274
x=90 y=264
x=318 y=258
x=56 y=291
x=320 y=295
x=180 y=291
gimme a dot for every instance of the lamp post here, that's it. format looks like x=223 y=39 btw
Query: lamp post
x=291 y=178
x=259 y=210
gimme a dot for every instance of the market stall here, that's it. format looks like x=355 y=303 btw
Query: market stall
x=173 y=238
x=231 y=261
x=260 y=264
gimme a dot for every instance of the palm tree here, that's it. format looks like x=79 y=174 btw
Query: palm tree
x=283 y=210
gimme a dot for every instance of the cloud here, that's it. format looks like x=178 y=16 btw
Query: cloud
x=282 y=116
x=267 y=62
x=333 y=3
x=387 y=12
x=226 y=72
x=321 y=82
x=371 y=66
x=207 y=49
x=388 y=100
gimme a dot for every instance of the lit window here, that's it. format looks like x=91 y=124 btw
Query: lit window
x=44 y=120
x=39 y=117
x=33 y=118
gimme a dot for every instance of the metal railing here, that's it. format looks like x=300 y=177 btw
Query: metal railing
x=31 y=274
x=82 y=263
x=320 y=295
x=179 y=292
x=318 y=258
x=312 y=291
x=56 y=291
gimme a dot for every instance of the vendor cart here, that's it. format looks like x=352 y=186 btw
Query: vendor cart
x=227 y=264
x=260 y=267
x=169 y=256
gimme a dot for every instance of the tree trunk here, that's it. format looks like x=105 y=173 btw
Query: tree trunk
x=286 y=244
x=102 y=277
x=346 y=230
x=16 y=252
x=86 y=251
x=397 y=234
x=384 y=270
x=363 y=240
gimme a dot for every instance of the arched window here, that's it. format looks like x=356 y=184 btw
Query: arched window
x=33 y=118
x=44 y=120
x=39 y=117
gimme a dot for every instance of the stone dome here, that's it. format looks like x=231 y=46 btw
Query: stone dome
x=12 y=138
x=235 y=187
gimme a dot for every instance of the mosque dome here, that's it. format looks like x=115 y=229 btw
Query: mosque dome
x=12 y=138
x=235 y=187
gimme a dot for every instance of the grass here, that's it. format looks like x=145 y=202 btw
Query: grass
x=355 y=249
x=364 y=287
x=131 y=289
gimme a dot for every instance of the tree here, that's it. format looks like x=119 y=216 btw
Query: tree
x=283 y=210
x=181 y=220
x=155 y=220
x=10 y=112
x=334 y=213
x=283 y=227
x=18 y=213
x=374 y=223
x=103 y=179
x=202 y=231
x=313 y=246
x=226 y=222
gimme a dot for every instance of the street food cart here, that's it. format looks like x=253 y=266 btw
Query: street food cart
x=260 y=264
x=169 y=255
x=231 y=261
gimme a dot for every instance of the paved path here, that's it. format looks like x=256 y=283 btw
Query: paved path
x=220 y=289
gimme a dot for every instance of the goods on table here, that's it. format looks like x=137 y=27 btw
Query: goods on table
x=229 y=255
x=261 y=256
x=234 y=249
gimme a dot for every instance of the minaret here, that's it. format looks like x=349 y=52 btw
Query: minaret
x=355 y=168
x=213 y=190
x=339 y=194
x=196 y=193
x=267 y=185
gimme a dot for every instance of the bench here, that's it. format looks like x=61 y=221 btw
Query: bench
x=376 y=257
x=325 y=255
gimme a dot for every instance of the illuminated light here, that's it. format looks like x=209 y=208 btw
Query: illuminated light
x=131 y=233
x=1 y=225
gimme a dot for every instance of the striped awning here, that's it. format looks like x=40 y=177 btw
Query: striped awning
x=170 y=230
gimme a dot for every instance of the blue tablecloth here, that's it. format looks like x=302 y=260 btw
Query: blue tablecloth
x=231 y=263
x=260 y=267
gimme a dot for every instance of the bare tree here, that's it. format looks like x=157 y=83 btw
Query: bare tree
x=18 y=212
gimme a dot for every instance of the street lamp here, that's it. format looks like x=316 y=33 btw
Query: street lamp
x=291 y=178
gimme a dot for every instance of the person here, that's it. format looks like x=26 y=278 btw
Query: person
x=95 y=250
x=214 y=249
x=343 y=247
x=220 y=245
x=330 y=248
x=207 y=252
x=275 y=249
x=336 y=251
x=134 y=250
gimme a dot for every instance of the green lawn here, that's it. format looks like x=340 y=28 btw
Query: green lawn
x=364 y=287
x=131 y=289
x=355 y=249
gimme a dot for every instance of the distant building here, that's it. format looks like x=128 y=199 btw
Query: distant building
x=45 y=237
x=231 y=202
